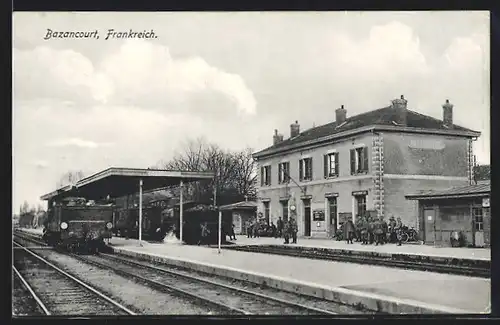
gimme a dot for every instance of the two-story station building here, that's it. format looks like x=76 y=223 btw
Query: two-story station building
x=364 y=163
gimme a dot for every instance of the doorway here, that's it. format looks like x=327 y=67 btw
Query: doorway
x=332 y=216
x=477 y=217
x=430 y=225
x=307 y=217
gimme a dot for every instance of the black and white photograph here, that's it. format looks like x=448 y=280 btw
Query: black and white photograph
x=240 y=164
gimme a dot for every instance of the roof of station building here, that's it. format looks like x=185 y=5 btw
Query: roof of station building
x=476 y=190
x=378 y=119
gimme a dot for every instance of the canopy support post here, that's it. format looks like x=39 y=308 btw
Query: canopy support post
x=220 y=230
x=140 y=212
x=181 y=210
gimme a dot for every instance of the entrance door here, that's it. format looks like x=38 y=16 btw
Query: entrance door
x=307 y=217
x=430 y=219
x=237 y=223
x=477 y=217
x=332 y=216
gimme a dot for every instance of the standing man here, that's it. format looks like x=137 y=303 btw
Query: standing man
x=349 y=231
x=378 y=231
x=294 y=229
x=392 y=230
x=286 y=231
x=232 y=235
x=280 y=227
x=364 y=232
x=248 y=228
x=398 y=228
x=385 y=229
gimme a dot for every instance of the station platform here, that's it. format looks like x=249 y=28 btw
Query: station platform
x=389 y=289
x=407 y=249
x=378 y=288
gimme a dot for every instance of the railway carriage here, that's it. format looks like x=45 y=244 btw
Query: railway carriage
x=197 y=216
x=126 y=223
x=75 y=225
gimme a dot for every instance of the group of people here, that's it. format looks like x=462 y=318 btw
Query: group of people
x=286 y=229
x=371 y=230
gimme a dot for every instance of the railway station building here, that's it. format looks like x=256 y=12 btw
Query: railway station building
x=465 y=209
x=366 y=163
x=240 y=213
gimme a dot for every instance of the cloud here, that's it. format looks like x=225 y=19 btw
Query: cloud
x=391 y=50
x=138 y=73
x=75 y=142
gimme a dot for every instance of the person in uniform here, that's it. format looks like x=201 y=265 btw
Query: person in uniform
x=371 y=236
x=378 y=231
x=255 y=228
x=364 y=232
x=392 y=230
x=294 y=229
x=359 y=226
x=385 y=229
x=248 y=227
x=232 y=235
x=274 y=232
x=286 y=231
x=398 y=229
x=280 y=227
x=349 y=231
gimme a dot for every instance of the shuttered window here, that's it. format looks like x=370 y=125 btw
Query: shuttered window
x=305 y=169
x=265 y=175
x=284 y=173
x=359 y=160
x=331 y=165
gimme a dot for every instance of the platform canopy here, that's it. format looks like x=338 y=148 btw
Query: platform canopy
x=118 y=182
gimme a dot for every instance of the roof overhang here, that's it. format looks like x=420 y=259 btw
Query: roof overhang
x=64 y=191
x=117 y=182
x=239 y=206
x=442 y=197
x=371 y=128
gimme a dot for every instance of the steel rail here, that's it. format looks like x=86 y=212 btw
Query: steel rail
x=74 y=279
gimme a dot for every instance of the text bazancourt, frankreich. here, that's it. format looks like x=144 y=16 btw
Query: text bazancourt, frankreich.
x=94 y=34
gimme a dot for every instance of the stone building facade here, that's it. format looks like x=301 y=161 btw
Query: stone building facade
x=362 y=164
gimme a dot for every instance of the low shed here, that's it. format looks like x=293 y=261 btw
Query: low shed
x=465 y=209
x=240 y=212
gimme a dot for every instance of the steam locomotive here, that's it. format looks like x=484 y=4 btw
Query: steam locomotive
x=76 y=224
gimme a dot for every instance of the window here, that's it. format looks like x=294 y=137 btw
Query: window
x=359 y=160
x=360 y=205
x=284 y=207
x=331 y=165
x=305 y=169
x=265 y=175
x=266 y=212
x=477 y=214
x=284 y=173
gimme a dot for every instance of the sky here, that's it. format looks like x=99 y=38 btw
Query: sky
x=232 y=78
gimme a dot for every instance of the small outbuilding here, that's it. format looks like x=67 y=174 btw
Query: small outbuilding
x=463 y=209
x=240 y=212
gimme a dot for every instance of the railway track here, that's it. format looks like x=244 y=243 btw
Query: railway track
x=474 y=271
x=234 y=299
x=209 y=291
x=58 y=292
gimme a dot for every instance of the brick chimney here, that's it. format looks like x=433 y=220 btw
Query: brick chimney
x=294 y=129
x=399 y=105
x=448 y=114
x=277 y=138
x=340 y=115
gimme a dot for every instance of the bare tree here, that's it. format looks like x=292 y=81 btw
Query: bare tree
x=70 y=177
x=235 y=172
